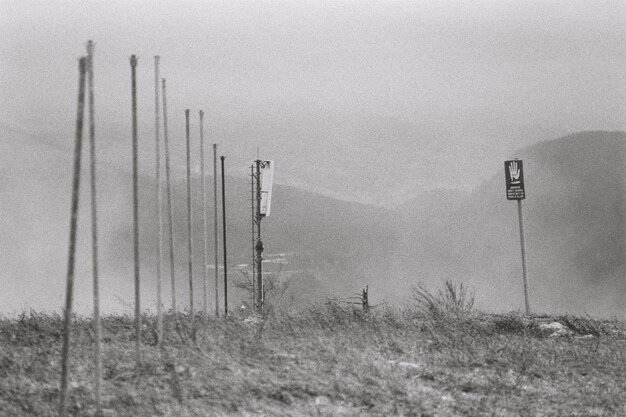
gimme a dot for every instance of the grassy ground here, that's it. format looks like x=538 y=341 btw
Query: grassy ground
x=325 y=361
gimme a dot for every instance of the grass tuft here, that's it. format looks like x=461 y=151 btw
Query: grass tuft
x=453 y=299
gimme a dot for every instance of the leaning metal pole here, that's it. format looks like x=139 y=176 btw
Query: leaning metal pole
x=224 y=239
x=217 y=296
x=159 y=200
x=168 y=190
x=189 y=221
x=133 y=66
x=205 y=281
x=94 y=231
x=69 y=290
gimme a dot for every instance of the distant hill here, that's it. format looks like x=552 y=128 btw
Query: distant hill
x=574 y=216
x=575 y=230
x=345 y=245
x=35 y=190
x=368 y=158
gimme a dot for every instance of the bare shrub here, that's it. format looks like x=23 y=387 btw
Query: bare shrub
x=273 y=288
x=453 y=299
x=509 y=323
x=584 y=325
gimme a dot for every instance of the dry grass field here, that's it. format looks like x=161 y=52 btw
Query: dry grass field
x=327 y=360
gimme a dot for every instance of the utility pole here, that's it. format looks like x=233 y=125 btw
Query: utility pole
x=133 y=66
x=94 y=231
x=224 y=239
x=217 y=305
x=253 y=238
x=259 y=243
x=189 y=221
x=205 y=281
x=69 y=289
x=168 y=183
x=159 y=199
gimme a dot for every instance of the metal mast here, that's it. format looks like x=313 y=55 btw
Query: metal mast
x=69 y=289
x=189 y=220
x=159 y=199
x=94 y=228
x=224 y=239
x=205 y=281
x=168 y=189
x=259 y=242
x=252 y=205
x=133 y=65
x=217 y=296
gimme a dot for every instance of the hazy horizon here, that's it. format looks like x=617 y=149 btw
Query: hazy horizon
x=374 y=102
x=325 y=89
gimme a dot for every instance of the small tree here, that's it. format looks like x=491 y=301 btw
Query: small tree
x=273 y=288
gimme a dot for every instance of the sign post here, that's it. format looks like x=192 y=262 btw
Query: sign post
x=514 y=175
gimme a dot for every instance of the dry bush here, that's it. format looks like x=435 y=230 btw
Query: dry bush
x=584 y=325
x=453 y=299
x=509 y=323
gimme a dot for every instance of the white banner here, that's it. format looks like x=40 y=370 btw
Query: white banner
x=267 y=178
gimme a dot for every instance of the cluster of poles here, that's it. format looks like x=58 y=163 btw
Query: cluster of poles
x=86 y=76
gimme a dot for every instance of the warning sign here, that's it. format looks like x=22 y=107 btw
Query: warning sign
x=514 y=173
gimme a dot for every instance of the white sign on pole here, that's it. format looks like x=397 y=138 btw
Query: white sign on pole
x=267 y=179
x=514 y=174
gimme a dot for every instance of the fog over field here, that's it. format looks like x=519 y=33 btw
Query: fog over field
x=388 y=122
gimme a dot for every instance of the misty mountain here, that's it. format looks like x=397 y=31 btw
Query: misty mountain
x=574 y=218
x=345 y=245
x=368 y=158
x=574 y=224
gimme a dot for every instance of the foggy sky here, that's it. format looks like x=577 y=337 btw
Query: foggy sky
x=468 y=82
x=369 y=101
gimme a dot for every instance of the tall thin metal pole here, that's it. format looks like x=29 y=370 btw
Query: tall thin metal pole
x=168 y=183
x=94 y=231
x=205 y=289
x=159 y=199
x=253 y=238
x=69 y=289
x=217 y=296
x=259 y=242
x=189 y=220
x=523 y=245
x=133 y=66
x=224 y=239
